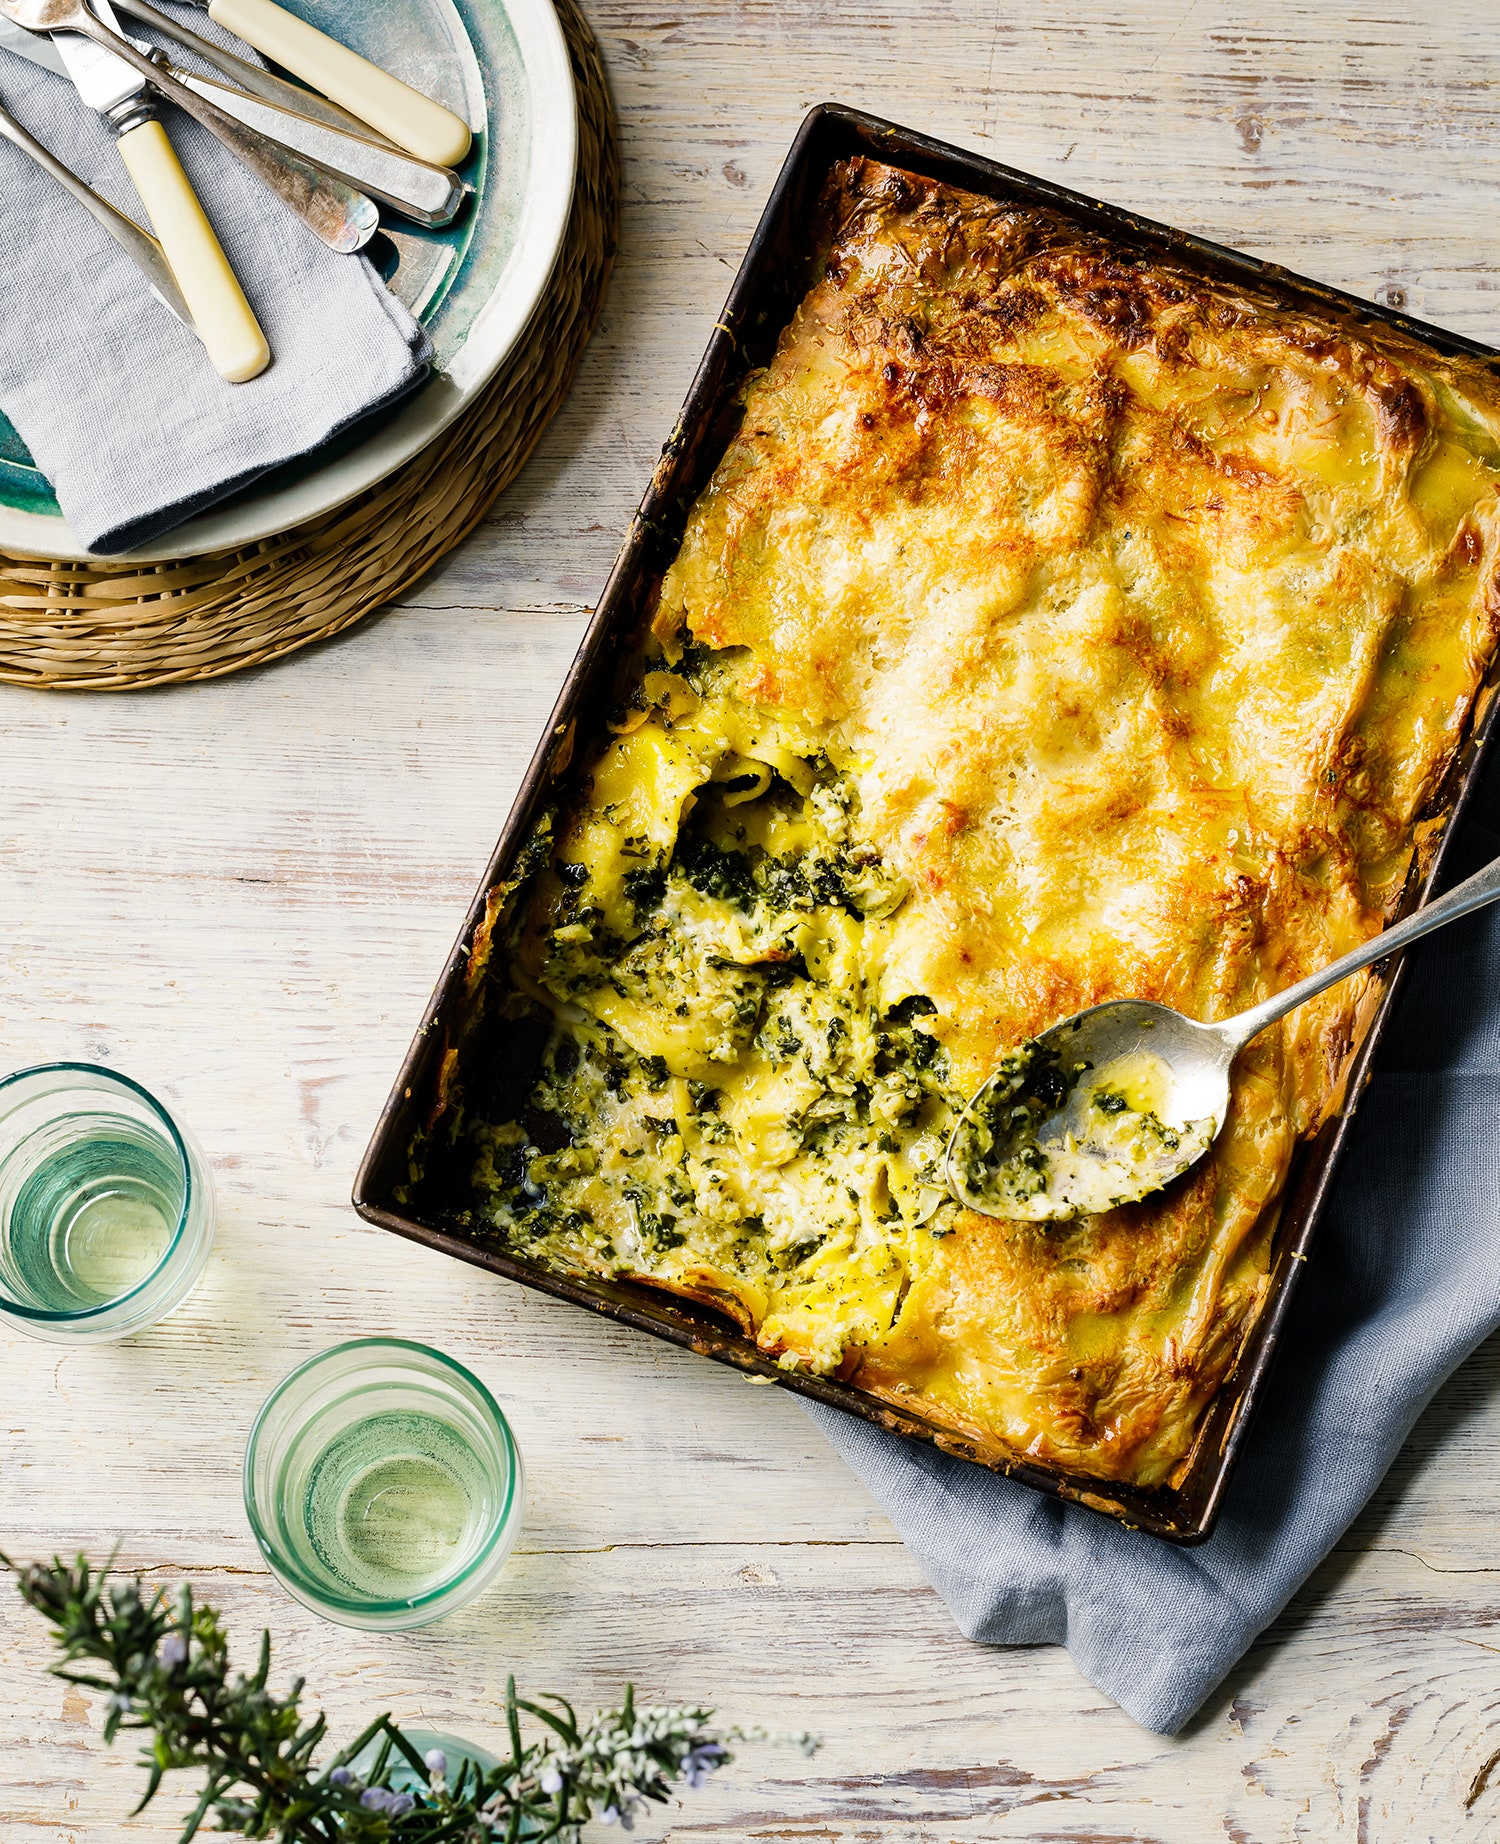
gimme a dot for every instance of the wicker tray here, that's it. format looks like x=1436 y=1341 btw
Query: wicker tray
x=97 y=625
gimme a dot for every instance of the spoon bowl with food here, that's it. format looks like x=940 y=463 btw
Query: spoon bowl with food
x=1115 y=1102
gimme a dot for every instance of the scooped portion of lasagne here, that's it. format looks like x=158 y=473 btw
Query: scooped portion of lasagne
x=1056 y=627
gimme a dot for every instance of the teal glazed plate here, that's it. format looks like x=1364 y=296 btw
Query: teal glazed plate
x=504 y=65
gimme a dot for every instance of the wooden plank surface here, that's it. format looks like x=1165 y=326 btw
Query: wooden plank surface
x=242 y=892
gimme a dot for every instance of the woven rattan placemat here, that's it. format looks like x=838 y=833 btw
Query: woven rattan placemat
x=96 y=625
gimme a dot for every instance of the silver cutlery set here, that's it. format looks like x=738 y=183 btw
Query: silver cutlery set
x=329 y=153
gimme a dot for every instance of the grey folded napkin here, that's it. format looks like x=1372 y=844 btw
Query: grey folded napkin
x=115 y=399
x=1402 y=1284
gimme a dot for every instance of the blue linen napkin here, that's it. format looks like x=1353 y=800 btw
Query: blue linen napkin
x=1402 y=1283
x=113 y=396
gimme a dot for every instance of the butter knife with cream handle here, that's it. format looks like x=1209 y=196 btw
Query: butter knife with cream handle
x=403 y=115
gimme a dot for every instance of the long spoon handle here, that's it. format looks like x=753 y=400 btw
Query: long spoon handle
x=245 y=75
x=403 y=115
x=341 y=216
x=1474 y=893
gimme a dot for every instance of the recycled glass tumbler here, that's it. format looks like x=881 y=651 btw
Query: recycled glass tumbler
x=106 y=1205
x=383 y=1484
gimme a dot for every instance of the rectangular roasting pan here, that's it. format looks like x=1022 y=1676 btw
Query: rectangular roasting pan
x=774 y=276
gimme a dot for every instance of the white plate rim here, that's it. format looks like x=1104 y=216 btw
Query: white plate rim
x=552 y=169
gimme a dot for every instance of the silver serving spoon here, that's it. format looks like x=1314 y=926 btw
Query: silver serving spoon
x=1117 y=1101
x=336 y=212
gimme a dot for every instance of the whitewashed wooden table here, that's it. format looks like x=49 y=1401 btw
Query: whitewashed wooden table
x=241 y=893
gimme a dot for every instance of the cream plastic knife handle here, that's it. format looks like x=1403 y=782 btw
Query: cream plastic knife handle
x=225 y=321
x=403 y=115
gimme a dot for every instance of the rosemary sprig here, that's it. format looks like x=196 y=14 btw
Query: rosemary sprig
x=162 y=1662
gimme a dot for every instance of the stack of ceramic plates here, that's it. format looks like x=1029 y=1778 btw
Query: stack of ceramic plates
x=476 y=286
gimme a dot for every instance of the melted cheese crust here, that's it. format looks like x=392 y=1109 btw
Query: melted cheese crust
x=1054 y=629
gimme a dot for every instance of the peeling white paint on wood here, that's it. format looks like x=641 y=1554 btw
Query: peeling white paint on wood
x=242 y=893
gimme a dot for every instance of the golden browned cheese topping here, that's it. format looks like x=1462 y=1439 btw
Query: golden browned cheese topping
x=1055 y=628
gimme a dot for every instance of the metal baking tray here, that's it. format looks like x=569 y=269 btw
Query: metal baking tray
x=489 y=1058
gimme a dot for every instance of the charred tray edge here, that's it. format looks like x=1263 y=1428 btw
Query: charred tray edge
x=767 y=288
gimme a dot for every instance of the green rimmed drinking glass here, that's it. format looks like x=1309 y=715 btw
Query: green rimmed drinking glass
x=383 y=1484
x=106 y=1205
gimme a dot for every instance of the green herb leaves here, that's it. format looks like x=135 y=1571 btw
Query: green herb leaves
x=163 y=1663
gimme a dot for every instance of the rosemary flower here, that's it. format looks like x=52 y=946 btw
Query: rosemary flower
x=172 y=1652
x=164 y=1664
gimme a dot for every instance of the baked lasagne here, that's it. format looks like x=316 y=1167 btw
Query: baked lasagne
x=1056 y=626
